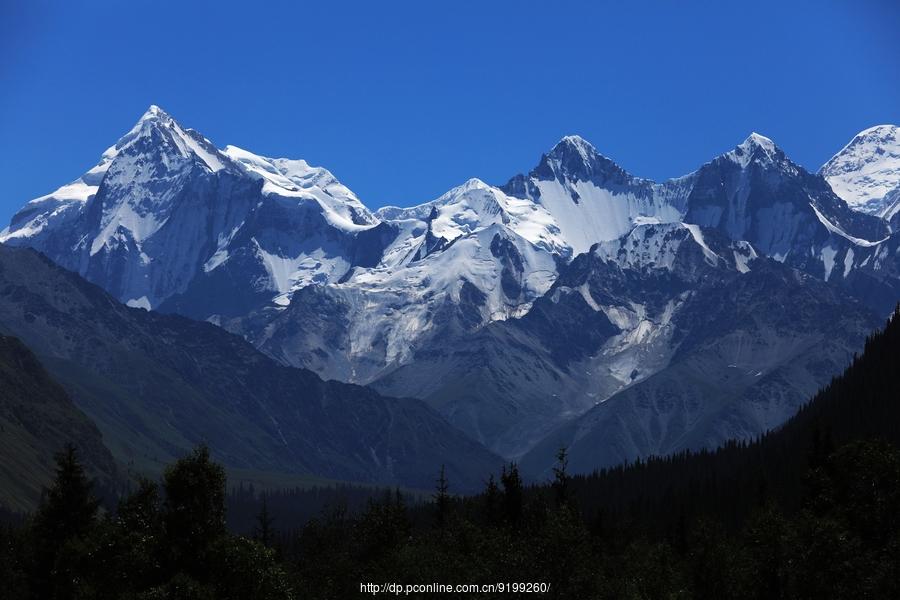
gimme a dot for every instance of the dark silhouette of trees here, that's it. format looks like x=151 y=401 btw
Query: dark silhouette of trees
x=811 y=510
x=60 y=530
x=147 y=548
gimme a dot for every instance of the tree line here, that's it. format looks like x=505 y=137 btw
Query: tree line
x=811 y=510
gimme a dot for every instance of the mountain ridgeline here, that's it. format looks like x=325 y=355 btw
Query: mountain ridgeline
x=575 y=305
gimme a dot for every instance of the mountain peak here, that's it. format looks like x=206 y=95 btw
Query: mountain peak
x=578 y=142
x=154 y=110
x=473 y=183
x=157 y=131
x=574 y=158
x=755 y=147
x=154 y=113
x=574 y=145
x=757 y=139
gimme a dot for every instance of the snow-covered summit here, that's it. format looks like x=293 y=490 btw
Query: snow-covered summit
x=475 y=205
x=591 y=198
x=144 y=162
x=298 y=179
x=759 y=149
x=867 y=169
x=575 y=159
x=166 y=220
x=164 y=206
x=156 y=126
x=583 y=147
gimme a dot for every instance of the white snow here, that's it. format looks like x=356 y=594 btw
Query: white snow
x=142 y=302
x=599 y=214
x=891 y=205
x=838 y=231
x=297 y=179
x=848 y=262
x=395 y=302
x=46 y=211
x=475 y=205
x=867 y=169
x=656 y=247
x=755 y=146
x=143 y=192
x=827 y=255
x=288 y=273
x=744 y=253
x=188 y=143
x=711 y=256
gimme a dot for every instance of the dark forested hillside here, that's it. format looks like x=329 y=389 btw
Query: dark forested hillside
x=808 y=511
x=36 y=419
x=156 y=385
x=861 y=404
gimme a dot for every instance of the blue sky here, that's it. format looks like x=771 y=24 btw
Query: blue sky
x=403 y=100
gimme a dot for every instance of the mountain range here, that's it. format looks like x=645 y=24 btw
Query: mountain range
x=155 y=385
x=574 y=305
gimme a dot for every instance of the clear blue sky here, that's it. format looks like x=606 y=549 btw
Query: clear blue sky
x=403 y=100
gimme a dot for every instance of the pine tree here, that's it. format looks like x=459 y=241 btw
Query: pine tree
x=442 y=500
x=132 y=561
x=65 y=518
x=512 y=495
x=491 y=501
x=561 y=477
x=265 y=534
x=194 y=510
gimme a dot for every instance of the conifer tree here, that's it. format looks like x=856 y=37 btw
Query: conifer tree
x=491 y=501
x=194 y=509
x=561 y=477
x=265 y=534
x=441 y=500
x=512 y=495
x=65 y=518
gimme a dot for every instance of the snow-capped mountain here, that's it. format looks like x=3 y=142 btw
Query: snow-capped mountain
x=510 y=309
x=476 y=205
x=297 y=179
x=167 y=218
x=624 y=315
x=655 y=248
x=591 y=198
x=745 y=352
x=472 y=256
x=607 y=323
x=867 y=170
x=476 y=255
x=755 y=193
